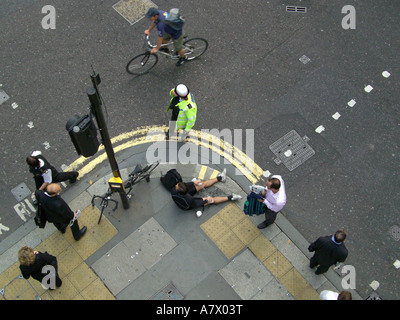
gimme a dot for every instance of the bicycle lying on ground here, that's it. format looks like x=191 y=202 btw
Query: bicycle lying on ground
x=137 y=175
x=144 y=62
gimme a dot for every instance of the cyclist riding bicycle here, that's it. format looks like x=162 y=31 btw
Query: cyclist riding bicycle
x=165 y=33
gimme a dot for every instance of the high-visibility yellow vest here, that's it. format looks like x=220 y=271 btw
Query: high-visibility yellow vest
x=187 y=112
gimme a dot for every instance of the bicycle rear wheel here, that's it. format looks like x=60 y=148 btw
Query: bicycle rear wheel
x=142 y=63
x=195 y=47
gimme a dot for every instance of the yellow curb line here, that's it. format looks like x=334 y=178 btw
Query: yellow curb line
x=240 y=160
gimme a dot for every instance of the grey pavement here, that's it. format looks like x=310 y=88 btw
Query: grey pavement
x=161 y=252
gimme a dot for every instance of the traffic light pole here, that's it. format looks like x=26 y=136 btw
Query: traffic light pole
x=95 y=102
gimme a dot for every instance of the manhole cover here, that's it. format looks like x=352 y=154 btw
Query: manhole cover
x=133 y=10
x=170 y=292
x=395 y=232
x=21 y=191
x=292 y=150
x=3 y=96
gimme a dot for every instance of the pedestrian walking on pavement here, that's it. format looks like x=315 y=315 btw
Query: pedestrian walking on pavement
x=274 y=199
x=184 y=111
x=328 y=250
x=57 y=211
x=44 y=173
x=32 y=263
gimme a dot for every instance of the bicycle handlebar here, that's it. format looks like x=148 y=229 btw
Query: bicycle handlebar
x=147 y=40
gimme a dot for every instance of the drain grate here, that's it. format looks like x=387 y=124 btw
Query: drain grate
x=170 y=292
x=292 y=150
x=296 y=9
x=21 y=191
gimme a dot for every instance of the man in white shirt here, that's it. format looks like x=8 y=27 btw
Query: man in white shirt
x=274 y=199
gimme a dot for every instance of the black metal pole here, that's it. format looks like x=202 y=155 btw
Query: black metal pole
x=96 y=107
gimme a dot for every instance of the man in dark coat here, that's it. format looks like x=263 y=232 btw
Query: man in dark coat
x=32 y=263
x=57 y=211
x=328 y=250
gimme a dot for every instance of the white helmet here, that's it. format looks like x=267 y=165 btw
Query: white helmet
x=181 y=90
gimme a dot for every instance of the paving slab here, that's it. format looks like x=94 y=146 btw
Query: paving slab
x=246 y=275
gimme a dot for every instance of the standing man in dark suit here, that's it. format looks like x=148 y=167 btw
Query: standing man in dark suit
x=328 y=250
x=57 y=211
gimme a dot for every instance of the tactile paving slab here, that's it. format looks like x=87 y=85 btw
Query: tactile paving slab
x=246 y=231
x=231 y=214
x=230 y=244
x=298 y=286
x=262 y=247
x=277 y=264
x=214 y=228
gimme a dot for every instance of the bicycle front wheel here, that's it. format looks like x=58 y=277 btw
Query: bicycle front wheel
x=195 y=47
x=142 y=63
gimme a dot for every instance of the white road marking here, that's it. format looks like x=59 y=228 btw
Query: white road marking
x=320 y=129
x=336 y=116
x=368 y=88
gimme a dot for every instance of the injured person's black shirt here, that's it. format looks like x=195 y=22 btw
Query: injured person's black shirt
x=187 y=201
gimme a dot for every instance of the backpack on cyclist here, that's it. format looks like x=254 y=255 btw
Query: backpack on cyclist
x=174 y=19
x=170 y=179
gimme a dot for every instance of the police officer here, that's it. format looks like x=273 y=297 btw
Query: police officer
x=44 y=173
x=184 y=110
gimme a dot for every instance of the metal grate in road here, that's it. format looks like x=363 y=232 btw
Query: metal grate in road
x=292 y=150
x=296 y=9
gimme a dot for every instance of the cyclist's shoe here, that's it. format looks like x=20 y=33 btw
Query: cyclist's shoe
x=181 y=61
x=166 y=50
x=236 y=197
x=223 y=175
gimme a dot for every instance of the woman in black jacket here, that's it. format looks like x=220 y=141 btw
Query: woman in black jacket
x=32 y=263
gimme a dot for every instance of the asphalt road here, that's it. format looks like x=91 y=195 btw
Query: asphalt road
x=250 y=78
